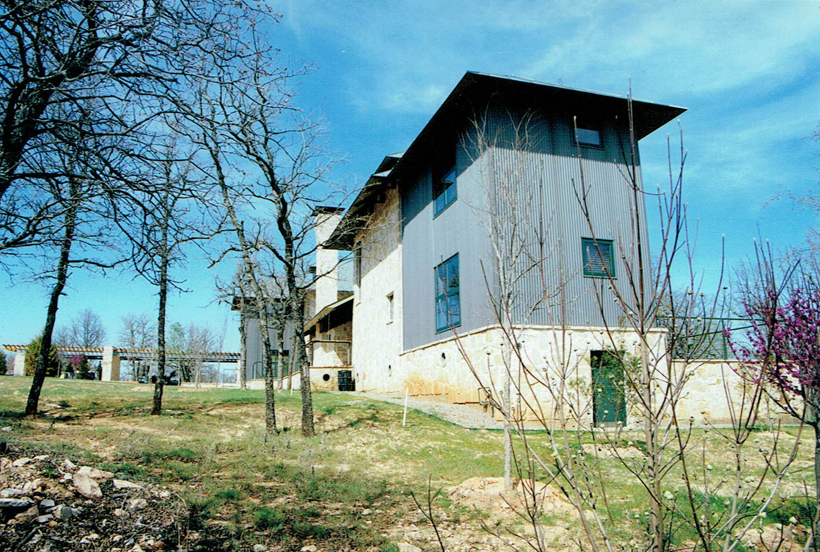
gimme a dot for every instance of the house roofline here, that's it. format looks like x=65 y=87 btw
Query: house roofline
x=473 y=89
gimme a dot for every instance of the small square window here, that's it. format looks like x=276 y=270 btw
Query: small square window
x=588 y=137
x=448 y=302
x=597 y=255
x=445 y=191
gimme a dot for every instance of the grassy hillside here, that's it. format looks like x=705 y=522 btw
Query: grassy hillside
x=348 y=487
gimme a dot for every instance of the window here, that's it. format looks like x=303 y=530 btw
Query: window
x=357 y=266
x=444 y=188
x=448 y=304
x=597 y=257
x=389 y=308
x=588 y=137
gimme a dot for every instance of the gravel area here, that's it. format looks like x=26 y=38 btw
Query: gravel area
x=471 y=417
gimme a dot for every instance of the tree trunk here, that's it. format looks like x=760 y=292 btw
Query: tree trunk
x=656 y=527
x=243 y=351
x=507 y=404
x=51 y=316
x=304 y=367
x=264 y=330
x=270 y=397
x=156 y=410
x=280 y=355
x=816 y=520
x=813 y=402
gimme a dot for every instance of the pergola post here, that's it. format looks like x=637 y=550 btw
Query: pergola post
x=110 y=364
x=20 y=362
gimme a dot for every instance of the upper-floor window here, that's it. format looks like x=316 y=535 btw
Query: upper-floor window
x=448 y=302
x=357 y=265
x=444 y=187
x=597 y=254
x=588 y=137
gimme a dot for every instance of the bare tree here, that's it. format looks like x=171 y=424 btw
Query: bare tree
x=82 y=224
x=550 y=383
x=84 y=330
x=58 y=55
x=265 y=157
x=165 y=218
x=138 y=332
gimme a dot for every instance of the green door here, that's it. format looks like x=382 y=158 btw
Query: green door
x=608 y=389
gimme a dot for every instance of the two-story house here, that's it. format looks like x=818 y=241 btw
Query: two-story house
x=425 y=232
x=508 y=176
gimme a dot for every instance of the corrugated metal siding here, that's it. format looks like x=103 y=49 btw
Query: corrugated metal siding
x=546 y=173
x=428 y=240
x=530 y=176
x=253 y=341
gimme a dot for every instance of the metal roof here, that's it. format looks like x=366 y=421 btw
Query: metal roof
x=473 y=91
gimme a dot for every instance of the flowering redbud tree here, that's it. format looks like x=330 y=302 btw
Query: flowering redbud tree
x=783 y=350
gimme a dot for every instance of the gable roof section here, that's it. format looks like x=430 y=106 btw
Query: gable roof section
x=475 y=90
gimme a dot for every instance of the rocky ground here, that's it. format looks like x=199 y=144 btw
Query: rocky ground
x=49 y=504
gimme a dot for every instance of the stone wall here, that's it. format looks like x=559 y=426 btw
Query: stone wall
x=466 y=369
x=377 y=340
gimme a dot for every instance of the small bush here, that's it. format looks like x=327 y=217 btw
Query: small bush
x=269 y=519
x=228 y=494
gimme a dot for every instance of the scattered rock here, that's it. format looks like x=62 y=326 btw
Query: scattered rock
x=28 y=515
x=137 y=504
x=261 y=548
x=25 y=519
x=366 y=512
x=119 y=484
x=14 y=503
x=309 y=548
x=6 y=428
x=407 y=547
x=63 y=512
x=33 y=486
x=90 y=538
x=95 y=474
x=86 y=486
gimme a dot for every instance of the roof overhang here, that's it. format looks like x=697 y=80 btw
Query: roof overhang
x=326 y=311
x=474 y=92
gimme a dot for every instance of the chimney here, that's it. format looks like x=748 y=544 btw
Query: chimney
x=326 y=219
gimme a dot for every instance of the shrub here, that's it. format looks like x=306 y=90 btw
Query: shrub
x=33 y=351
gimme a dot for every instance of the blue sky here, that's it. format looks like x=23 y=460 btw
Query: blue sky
x=746 y=71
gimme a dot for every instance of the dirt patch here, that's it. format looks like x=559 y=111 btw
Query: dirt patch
x=488 y=495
